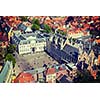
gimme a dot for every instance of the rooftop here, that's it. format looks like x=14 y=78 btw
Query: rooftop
x=22 y=27
x=97 y=40
x=21 y=37
x=4 y=71
x=61 y=72
x=64 y=79
x=24 y=78
x=51 y=71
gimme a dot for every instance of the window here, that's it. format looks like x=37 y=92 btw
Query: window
x=49 y=76
x=40 y=47
x=21 y=50
x=54 y=77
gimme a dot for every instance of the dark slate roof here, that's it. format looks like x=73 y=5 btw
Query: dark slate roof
x=22 y=27
x=64 y=79
x=68 y=48
x=39 y=36
x=21 y=37
x=46 y=35
x=79 y=65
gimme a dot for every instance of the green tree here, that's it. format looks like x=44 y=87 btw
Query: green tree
x=94 y=33
x=36 y=21
x=36 y=24
x=61 y=32
x=11 y=48
x=10 y=57
x=23 y=18
x=35 y=27
x=84 y=76
x=98 y=77
x=3 y=51
x=47 y=28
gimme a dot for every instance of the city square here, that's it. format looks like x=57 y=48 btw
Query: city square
x=27 y=62
x=49 y=49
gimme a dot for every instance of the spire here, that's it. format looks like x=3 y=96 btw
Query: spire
x=91 y=57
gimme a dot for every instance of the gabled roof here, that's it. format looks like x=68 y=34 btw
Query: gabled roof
x=51 y=71
x=68 y=47
x=97 y=40
x=22 y=27
x=4 y=71
x=61 y=72
x=64 y=79
x=24 y=78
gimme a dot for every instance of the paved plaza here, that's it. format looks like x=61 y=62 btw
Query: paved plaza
x=37 y=60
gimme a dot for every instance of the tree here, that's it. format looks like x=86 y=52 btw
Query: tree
x=94 y=33
x=84 y=76
x=63 y=33
x=3 y=51
x=36 y=21
x=98 y=77
x=36 y=24
x=11 y=48
x=23 y=18
x=35 y=27
x=47 y=28
x=10 y=57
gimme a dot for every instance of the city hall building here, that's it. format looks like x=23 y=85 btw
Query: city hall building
x=29 y=43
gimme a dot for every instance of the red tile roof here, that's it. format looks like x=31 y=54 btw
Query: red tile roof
x=24 y=78
x=94 y=74
x=97 y=40
x=51 y=71
x=62 y=72
x=60 y=22
x=12 y=20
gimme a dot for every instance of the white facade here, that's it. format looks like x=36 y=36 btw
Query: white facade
x=29 y=43
x=39 y=46
x=23 y=49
